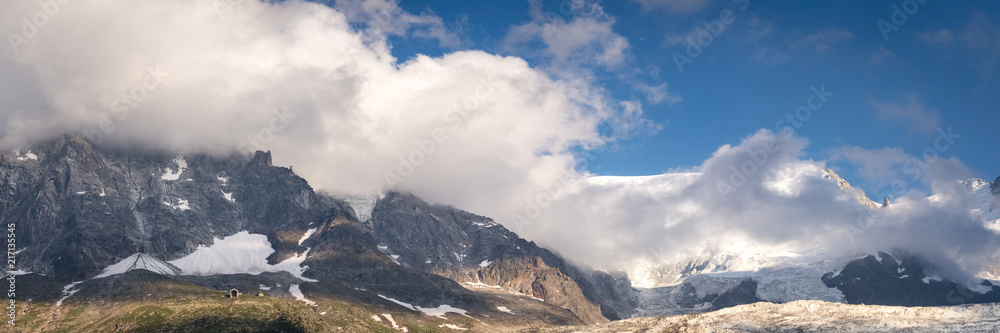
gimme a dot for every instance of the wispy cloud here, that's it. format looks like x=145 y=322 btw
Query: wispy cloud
x=585 y=35
x=978 y=42
x=658 y=93
x=982 y=37
x=385 y=17
x=819 y=40
x=937 y=38
x=673 y=6
x=881 y=56
x=767 y=46
x=879 y=166
x=909 y=113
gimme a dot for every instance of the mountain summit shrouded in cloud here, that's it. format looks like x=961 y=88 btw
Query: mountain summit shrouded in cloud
x=340 y=93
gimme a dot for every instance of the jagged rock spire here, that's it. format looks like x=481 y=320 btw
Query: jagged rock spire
x=263 y=157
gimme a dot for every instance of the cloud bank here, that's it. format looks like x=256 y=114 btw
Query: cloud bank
x=764 y=194
x=302 y=80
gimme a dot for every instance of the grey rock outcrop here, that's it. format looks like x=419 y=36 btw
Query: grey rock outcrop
x=906 y=280
x=475 y=250
x=858 y=194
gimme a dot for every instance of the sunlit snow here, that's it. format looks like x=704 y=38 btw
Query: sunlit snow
x=454 y=327
x=309 y=233
x=297 y=293
x=228 y=196
x=439 y=311
x=242 y=253
x=139 y=261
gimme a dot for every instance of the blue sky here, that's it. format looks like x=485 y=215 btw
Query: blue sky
x=936 y=70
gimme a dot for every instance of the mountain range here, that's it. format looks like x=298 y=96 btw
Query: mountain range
x=98 y=227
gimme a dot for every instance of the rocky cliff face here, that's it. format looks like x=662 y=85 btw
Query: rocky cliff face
x=906 y=280
x=995 y=186
x=480 y=253
x=80 y=208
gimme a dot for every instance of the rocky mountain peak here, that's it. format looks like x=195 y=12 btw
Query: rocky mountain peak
x=263 y=157
x=995 y=186
x=858 y=193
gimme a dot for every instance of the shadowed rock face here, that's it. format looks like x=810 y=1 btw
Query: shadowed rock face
x=474 y=249
x=905 y=280
x=79 y=208
x=995 y=186
x=743 y=293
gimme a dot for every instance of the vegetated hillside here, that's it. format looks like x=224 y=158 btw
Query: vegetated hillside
x=142 y=301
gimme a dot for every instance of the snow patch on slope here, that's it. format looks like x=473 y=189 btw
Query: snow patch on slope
x=309 y=233
x=454 y=327
x=297 y=293
x=140 y=261
x=68 y=291
x=180 y=205
x=169 y=174
x=241 y=253
x=27 y=156
x=393 y=322
x=439 y=311
x=363 y=205
x=228 y=196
